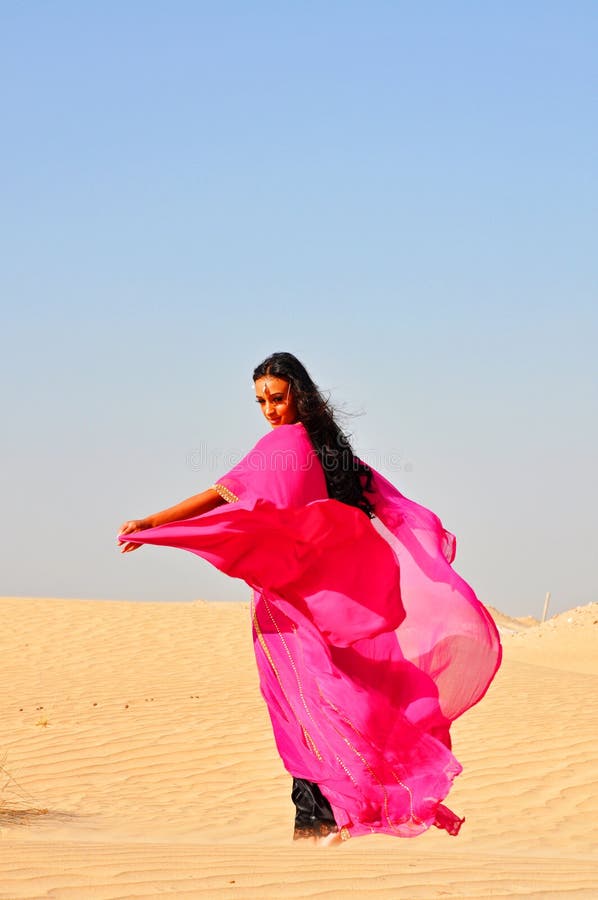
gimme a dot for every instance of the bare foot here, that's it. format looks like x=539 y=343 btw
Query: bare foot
x=329 y=839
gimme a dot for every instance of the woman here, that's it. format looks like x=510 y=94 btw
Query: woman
x=368 y=643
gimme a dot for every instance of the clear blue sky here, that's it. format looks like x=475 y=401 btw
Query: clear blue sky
x=402 y=194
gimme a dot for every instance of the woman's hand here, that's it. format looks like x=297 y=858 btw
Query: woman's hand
x=128 y=528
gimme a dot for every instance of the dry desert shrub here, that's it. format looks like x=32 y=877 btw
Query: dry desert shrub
x=15 y=802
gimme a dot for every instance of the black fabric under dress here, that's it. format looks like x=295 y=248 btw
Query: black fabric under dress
x=313 y=815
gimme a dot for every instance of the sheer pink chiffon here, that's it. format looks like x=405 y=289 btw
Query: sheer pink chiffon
x=368 y=643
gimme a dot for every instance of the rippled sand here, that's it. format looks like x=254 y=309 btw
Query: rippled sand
x=139 y=761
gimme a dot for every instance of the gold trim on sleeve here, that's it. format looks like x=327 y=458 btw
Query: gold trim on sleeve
x=225 y=493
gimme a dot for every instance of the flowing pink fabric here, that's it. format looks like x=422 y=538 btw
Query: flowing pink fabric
x=368 y=643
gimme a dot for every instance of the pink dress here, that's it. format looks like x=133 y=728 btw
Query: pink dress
x=368 y=643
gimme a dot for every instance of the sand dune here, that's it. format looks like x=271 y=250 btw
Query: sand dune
x=139 y=727
x=507 y=624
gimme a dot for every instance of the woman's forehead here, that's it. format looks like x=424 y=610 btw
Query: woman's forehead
x=270 y=384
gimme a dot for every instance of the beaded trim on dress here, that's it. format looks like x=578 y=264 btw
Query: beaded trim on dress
x=225 y=493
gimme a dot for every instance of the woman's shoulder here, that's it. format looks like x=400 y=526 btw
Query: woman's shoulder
x=281 y=467
x=284 y=437
x=286 y=448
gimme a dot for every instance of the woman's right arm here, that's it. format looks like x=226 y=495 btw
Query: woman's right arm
x=186 y=509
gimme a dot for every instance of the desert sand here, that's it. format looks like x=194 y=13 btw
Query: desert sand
x=139 y=762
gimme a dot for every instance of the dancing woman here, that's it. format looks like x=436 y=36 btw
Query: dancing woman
x=368 y=643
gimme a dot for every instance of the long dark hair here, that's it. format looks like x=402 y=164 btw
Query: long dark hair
x=347 y=478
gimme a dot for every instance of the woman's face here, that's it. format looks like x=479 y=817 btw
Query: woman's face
x=276 y=399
